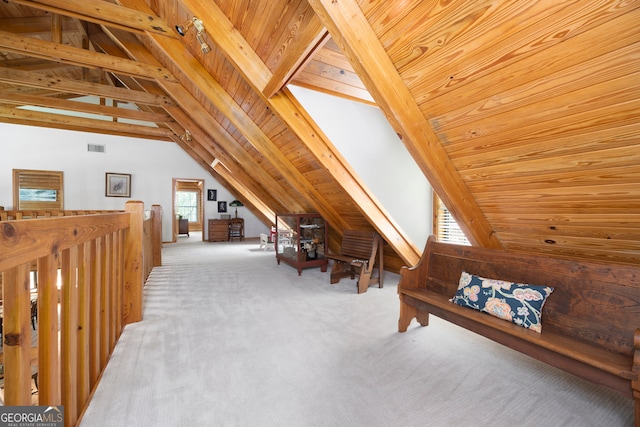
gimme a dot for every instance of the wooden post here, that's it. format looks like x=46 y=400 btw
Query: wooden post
x=133 y=263
x=49 y=386
x=17 y=336
x=156 y=234
x=69 y=334
x=84 y=290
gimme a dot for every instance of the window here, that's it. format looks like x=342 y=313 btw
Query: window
x=37 y=189
x=445 y=227
x=187 y=205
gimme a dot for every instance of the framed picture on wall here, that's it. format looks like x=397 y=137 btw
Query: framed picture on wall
x=212 y=195
x=118 y=185
x=222 y=206
x=38 y=189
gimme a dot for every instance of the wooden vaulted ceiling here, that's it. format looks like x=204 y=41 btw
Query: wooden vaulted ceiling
x=523 y=114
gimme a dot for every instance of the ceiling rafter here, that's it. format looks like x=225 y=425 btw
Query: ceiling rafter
x=312 y=37
x=61 y=104
x=200 y=146
x=290 y=111
x=229 y=152
x=351 y=31
x=246 y=193
x=90 y=125
x=102 y=12
x=71 y=55
x=35 y=64
x=211 y=89
x=516 y=111
x=59 y=84
x=226 y=168
x=36 y=25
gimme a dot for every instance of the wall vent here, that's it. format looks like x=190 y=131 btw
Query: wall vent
x=94 y=148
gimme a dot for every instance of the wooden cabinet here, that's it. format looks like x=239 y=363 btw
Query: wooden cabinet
x=183 y=226
x=301 y=240
x=218 y=230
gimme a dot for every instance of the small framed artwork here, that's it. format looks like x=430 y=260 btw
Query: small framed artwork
x=118 y=185
x=222 y=206
x=212 y=195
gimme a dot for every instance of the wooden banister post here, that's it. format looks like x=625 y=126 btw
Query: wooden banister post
x=17 y=336
x=133 y=263
x=156 y=234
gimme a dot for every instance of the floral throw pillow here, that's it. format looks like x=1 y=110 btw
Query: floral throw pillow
x=516 y=302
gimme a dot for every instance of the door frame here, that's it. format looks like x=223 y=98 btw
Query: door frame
x=201 y=215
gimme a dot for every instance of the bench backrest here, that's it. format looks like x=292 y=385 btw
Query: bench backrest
x=359 y=244
x=592 y=301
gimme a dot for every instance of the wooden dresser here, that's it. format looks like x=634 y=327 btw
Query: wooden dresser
x=218 y=230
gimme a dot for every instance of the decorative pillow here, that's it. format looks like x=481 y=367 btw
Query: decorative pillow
x=517 y=302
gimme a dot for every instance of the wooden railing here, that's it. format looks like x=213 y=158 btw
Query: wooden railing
x=6 y=215
x=104 y=260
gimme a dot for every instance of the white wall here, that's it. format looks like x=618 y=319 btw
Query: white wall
x=152 y=165
x=360 y=132
x=364 y=137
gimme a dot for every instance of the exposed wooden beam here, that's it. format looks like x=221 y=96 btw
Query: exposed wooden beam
x=237 y=180
x=81 y=123
x=229 y=181
x=312 y=35
x=56 y=28
x=202 y=144
x=214 y=138
x=35 y=25
x=312 y=81
x=195 y=155
x=71 y=55
x=313 y=53
x=59 y=84
x=35 y=64
x=202 y=147
x=102 y=12
x=284 y=104
x=269 y=216
x=213 y=91
x=351 y=31
x=117 y=113
x=256 y=136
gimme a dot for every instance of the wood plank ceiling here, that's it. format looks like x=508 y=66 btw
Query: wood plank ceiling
x=523 y=114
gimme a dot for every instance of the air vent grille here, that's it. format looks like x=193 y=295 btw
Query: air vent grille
x=94 y=148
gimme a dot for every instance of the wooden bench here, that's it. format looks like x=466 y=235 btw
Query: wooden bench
x=361 y=252
x=590 y=323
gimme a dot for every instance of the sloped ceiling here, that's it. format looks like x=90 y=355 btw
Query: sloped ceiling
x=523 y=115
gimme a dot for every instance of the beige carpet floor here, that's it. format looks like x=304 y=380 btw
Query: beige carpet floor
x=230 y=338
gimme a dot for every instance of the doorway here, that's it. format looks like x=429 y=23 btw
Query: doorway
x=188 y=203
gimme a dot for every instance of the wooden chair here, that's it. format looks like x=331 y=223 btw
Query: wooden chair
x=361 y=253
x=236 y=229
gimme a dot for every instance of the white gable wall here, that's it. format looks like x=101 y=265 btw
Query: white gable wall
x=364 y=137
x=152 y=165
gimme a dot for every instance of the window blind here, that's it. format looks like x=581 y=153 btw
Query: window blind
x=447 y=227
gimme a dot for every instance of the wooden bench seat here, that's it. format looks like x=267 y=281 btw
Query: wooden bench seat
x=360 y=252
x=590 y=323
